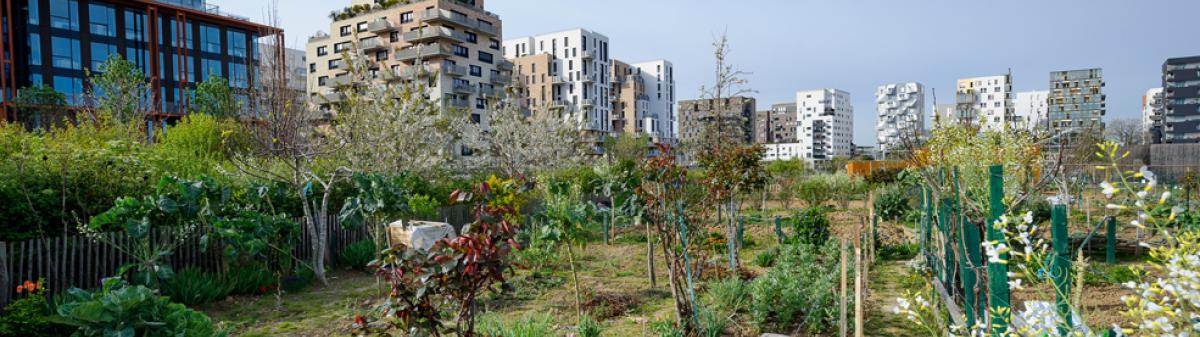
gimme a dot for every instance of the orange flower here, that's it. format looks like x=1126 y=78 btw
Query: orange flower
x=20 y=288
x=30 y=286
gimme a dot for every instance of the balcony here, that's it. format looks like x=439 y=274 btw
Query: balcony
x=334 y=97
x=457 y=103
x=588 y=54
x=588 y=78
x=487 y=29
x=434 y=33
x=965 y=99
x=503 y=65
x=557 y=79
x=411 y=72
x=372 y=44
x=500 y=79
x=380 y=26
x=424 y=51
x=445 y=16
x=340 y=81
x=454 y=70
x=465 y=89
x=487 y=91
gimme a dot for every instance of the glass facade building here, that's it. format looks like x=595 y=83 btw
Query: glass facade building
x=176 y=43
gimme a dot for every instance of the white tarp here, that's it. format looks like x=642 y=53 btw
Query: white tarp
x=419 y=234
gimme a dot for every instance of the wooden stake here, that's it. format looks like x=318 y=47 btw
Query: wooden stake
x=858 y=292
x=842 y=313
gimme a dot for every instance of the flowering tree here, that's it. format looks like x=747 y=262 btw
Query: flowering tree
x=521 y=144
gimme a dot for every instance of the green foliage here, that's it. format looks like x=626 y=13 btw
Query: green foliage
x=120 y=89
x=357 y=255
x=726 y=296
x=29 y=317
x=892 y=202
x=844 y=188
x=809 y=227
x=885 y=176
x=530 y=326
x=118 y=309
x=1102 y=274
x=814 y=191
x=424 y=207
x=588 y=327
x=41 y=107
x=194 y=287
x=666 y=328
x=712 y=322
x=766 y=258
x=250 y=279
x=800 y=286
x=199 y=145
x=900 y=252
x=215 y=98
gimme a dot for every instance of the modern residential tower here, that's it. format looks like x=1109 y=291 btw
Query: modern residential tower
x=1152 y=116
x=1031 y=110
x=985 y=102
x=777 y=125
x=901 y=115
x=450 y=46
x=577 y=71
x=708 y=122
x=1076 y=104
x=825 y=124
x=1181 y=100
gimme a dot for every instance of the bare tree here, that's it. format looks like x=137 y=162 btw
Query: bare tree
x=1124 y=131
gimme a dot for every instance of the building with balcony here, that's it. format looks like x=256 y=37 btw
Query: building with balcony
x=175 y=43
x=1030 y=110
x=659 y=120
x=1152 y=116
x=452 y=47
x=901 y=115
x=704 y=122
x=945 y=115
x=776 y=125
x=295 y=64
x=985 y=102
x=1181 y=100
x=1076 y=104
x=577 y=72
x=825 y=124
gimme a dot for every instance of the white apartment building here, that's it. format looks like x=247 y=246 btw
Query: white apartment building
x=579 y=73
x=451 y=47
x=783 y=151
x=986 y=102
x=663 y=124
x=1031 y=110
x=945 y=115
x=901 y=115
x=825 y=124
x=1152 y=115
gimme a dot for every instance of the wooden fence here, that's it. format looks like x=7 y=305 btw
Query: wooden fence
x=76 y=261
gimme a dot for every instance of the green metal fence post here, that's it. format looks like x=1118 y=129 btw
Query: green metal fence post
x=1110 y=244
x=998 y=292
x=779 y=229
x=741 y=232
x=1061 y=267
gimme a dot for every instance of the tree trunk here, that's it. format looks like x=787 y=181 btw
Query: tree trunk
x=649 y=253
x=575 y=279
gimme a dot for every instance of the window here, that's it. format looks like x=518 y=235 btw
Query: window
x=237 y=44
x=64 y=14
x=135 y=26
x=72 y=87
x=485 y=57
x=461 y=51
x=335 y=63
x=188 y=43
x=381 y=55
x=406 y=17
x=362 y=27
x=239 y=77
x=34 y=18
x=100 y=53
x=395 y=37
x=190 y=68
x=65 y=53
x=322 y=81
x=337 y=48
x=103 y=20
x=344 y=31
x=472 y=38
x=322 y=50
x=35 y=49
x=476 y=71
x=494 y=44
x=210 y=67
x=312 y=67
x=476 y=118
x=210 y=39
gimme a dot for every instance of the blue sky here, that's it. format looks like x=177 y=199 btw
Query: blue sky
x=792 y=45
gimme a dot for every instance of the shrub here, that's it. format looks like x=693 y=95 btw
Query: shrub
x=300 y=278
x=250 y=279
x=726 y=296
x=814 y=191
x=193 y=287
x=810 y=227
x=529 y=326
x=800 y=285
x=892 y=203
x=766 y=258
x=118 y=309
x=902 y=251
x=883 y=176
x=357 y=255
x=665 y=328
x=588 y=327
x=29 y=317
x=712 y=323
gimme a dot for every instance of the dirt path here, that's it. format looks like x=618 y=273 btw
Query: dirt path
x=887 y=284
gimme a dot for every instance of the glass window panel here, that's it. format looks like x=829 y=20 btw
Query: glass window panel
x=135 y=25
x=34 y=11
x=237 y=44
x=72 y=87
x=100 y=53
x=210 y=39
x=103 y=20
x=66 y=53
x=64 y=14
x=210 y=67
x=35 y=49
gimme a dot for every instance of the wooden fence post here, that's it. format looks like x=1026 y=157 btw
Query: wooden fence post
x=998 y=292
x=1061 y=264
x=842 y=313
x=6 y=282
x=858 y=290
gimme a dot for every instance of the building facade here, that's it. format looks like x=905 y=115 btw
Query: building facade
x=1152 y=116
x=295 y=64
x=177 y=44
x=579 y=74
x=945 y=115
x=901 y=115
x=711 y=121
x=985 y=102
x=1181 y=100
x=1076 y=104
x=1031 y=109
x=643 y=97
x=783 y=151
x=825 y=124
x=776 y=125
x=451 y=47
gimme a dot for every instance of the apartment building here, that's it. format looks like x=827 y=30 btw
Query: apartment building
x=783 y=151
x=1181 y=100
x=985 y=102
x=451 y=47
x=826 y=124
x=1076 y=104
x=945 y=115
x=901 y=115
x=578 y=74
x=712 y=121
x=643 y=97
x=776 y=125
x=1152 y=116
x=295 y=65
x=175 y=43
x=1031 y=110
